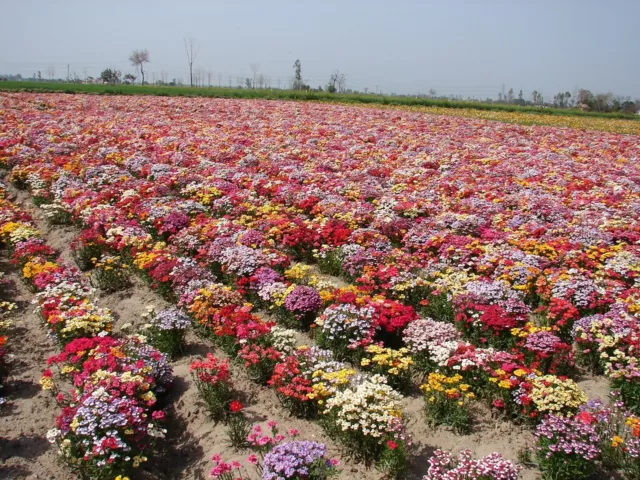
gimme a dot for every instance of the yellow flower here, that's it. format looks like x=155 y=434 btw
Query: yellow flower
x=47 y=383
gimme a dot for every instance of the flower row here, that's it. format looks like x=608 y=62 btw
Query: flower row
x=106 y=387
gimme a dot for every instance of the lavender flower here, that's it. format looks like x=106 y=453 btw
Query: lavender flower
x=171 y=319
x=303 y=299
x=296 y=459
x=558 y=435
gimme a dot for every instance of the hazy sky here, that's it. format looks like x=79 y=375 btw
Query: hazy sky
x=467 y=47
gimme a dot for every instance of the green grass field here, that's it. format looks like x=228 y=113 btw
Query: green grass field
x=275 y=94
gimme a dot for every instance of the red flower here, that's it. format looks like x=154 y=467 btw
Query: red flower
x=586 y=417
x=498 y=403
x=235 y=406
x=392 y=445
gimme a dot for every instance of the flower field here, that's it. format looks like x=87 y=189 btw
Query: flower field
x=373 y=269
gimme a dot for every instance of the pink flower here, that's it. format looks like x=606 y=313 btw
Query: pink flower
x=252 y=459
x=294 y=432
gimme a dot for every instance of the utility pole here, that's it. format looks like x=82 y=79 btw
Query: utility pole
x=68 y=72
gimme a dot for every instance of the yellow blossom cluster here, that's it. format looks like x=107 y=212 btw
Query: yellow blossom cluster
x=440 y=386
x=387 y=361
x=552 y=394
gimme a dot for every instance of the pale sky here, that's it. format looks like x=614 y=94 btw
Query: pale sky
x=470 y=48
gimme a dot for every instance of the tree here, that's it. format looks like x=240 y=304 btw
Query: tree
x=602 y=102
x=129 y=78
x=254 y=69
x=629 y=107
x=510 y=96
x=585 y=99
x=192 y=53
x=138 y=58
x=247 y=82
x=297 y=80
x=333 y=80
x=537 y=98
x=110 y=76
x=51 y=70
x=342 y=83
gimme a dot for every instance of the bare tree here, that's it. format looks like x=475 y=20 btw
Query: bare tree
x=138 y=58
x=199 y=75
x=342 y=83
x=192 y=53
x=297 y=84
x=254 y=69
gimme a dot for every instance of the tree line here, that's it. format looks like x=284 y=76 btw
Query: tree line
x=583 y=99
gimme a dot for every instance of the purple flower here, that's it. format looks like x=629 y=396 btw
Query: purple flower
x=303 y=299
x=296 y=459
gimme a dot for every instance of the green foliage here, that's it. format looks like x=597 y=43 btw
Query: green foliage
x=276 y=94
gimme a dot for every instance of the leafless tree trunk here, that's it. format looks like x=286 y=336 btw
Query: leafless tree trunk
x=192 y=53
x=254 y=69
x=342 y=83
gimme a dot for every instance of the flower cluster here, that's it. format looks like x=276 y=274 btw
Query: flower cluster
x=213 y=379
x=444 y=466
x=277 y=459
x=109 y=419
x=446 y=401
x=167 y=329
x=567 y=447
x=394 y=364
